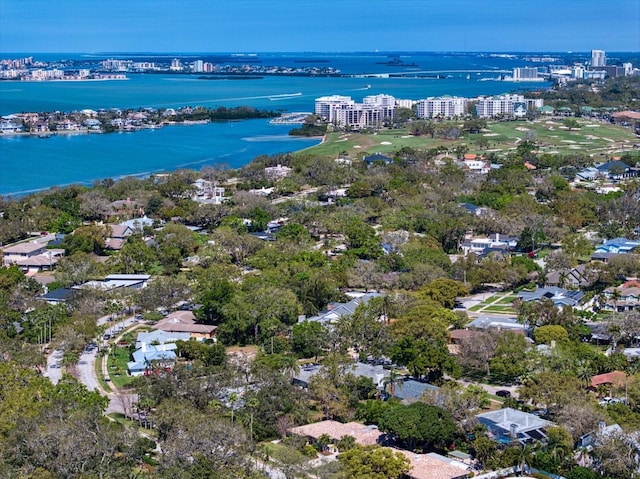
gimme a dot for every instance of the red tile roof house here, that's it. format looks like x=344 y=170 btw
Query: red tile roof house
x=616 y=379
x=364 y=435
x=185 y=322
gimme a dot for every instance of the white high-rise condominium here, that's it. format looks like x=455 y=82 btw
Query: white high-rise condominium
x=598 y=58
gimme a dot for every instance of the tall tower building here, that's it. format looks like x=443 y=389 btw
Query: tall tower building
x=598 y=58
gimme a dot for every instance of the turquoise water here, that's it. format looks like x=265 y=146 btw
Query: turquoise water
x=30 y=164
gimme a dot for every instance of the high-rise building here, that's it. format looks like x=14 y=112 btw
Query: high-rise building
x=445 y=106
x=525 y=73
x=598 y=58
x=198 y=66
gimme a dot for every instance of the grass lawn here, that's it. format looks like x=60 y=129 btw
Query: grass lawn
x=117 y=367
x=499 y=309
x=591 y=138
x=507 y=300
x=283 y=453
x=477 y=307
x=98 y=367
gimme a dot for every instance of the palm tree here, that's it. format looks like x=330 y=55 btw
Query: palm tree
x=584 y=373
x=252 y=404
x=233 y=399
x=392 y=382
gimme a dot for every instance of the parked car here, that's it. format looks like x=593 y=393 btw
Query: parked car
x=503 y=393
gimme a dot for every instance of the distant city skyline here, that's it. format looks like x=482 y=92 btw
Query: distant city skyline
x=36 y=26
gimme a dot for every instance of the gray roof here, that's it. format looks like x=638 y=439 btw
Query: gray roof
x=375 y=373
x=411 y=390
x=496 y=321
x=337 y=310
x=507 y=421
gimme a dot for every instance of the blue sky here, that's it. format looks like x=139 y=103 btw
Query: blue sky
x=41 y=26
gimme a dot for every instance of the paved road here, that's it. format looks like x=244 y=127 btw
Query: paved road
x=53 y=370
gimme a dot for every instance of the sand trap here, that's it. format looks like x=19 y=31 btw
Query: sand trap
x=491 y=134
x=522 y=128
x=551 y=123
x=609 y=140
x=567 y=141
x=553 y=151
x=342 y=139
x=385 y=142
x=592 y=126
x=357 y=146
x=574 y=147
x=406 y=136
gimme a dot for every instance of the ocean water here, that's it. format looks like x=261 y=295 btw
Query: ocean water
x=30 y=164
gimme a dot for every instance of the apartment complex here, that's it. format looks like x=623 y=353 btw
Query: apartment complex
x=342 y=110
x=510 y=105
x=444 y=106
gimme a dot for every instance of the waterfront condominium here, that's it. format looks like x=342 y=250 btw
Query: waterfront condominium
x=444 y=107
x=510 y=105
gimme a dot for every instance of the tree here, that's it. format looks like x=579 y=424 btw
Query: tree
x=308 y=339
x=571 y=123
x=508 y=362
x=550 y=333
x=420 y=425
x=373 y=462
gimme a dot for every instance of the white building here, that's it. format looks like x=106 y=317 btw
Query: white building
x=598 y=58
x=324 y=104
x=525 y=74
x=379 y=100
x=510 y=105
x=445 y=106
x=198 y=66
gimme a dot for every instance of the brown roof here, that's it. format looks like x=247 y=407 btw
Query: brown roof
x=364 y=435
x=634 y=115
x=424 y=466
x=461 y=334
x=24 y=248
x=617 y=378
x=183 y=322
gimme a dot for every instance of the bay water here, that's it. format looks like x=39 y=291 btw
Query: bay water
x=29 y=164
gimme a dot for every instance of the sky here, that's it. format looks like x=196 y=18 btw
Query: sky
x=42 y=26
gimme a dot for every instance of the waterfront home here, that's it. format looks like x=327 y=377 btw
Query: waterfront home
x=277 y=172
x=207 y=192
x=481 y=245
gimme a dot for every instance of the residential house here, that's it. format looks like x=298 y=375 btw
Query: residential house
x=613 y=379
x=508 y=425
x=481 y=245
x=207 y=192
x=434 y=466
x=409 y=390
x=277 y=172
x=617 y=246
x=154 y=350
x=116 y=281
x=119 y=235
x=623 y=298
x=501 y=322
x=32 y=256
x=559 y=296
x=375 y=159
x=57 y=296
x=335 y=311
x=364 y=435
x=573 y=278
x=185 y=322
x=377 y=374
